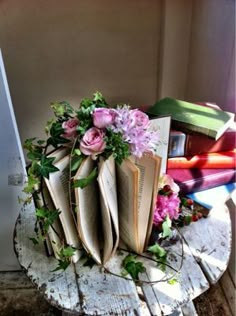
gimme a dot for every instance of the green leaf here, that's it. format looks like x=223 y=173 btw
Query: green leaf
x=28 y=143
x=86 y=103
x=132 y=266
x=61 y=109
x=77 y=152
x=46 y=167
x=116 y=147
x=31 y=183
x=65 y=255
x=48 y=216
x=56 y=131
x=173 y=281
x=76 y=162
x=34 y=240
x=62 y=265
x=160 y=255
x=49 y=125
x=67 y=252
x=82 y=183
x=166 y=227
x=40 y=142
x=157 y=251
x=97 y=96
x=41 y=212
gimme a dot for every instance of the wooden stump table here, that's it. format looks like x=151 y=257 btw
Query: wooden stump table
x=81 y=290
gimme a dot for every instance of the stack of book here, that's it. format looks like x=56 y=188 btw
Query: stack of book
x=202 y=150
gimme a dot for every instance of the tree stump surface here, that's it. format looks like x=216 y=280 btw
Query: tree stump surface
x=81 y=290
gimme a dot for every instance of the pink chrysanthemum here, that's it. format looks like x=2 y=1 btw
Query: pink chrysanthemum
x=133 y=125
x=166 y=205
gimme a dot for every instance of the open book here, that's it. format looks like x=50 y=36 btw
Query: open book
x=58 y=187
x=119 y=205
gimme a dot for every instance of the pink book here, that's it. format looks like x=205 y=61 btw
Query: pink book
x=194 y=180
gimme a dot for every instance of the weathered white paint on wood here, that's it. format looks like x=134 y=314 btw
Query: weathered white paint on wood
x=191 y=281
x=189 y=309
x=91 y=291
x=210 y=242
x=78 y=289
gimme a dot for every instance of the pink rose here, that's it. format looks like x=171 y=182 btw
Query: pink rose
x=139 y=118
x=92 y=142
x=70 y=127
x=103 y=117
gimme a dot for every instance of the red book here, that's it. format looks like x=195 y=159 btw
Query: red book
x=194 y=180
x=224 y=159
x=183 y=144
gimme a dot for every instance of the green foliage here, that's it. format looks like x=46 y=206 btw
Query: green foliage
x=49 y=125
x=34 y=151
x=87 y=260
x=116 y=146
x=173 y=281
x=76 y=162
x=31 y=183
x=34 y=240
x=166 y=228
x=82 y=183
x=46 y=166
x=65 y=255
x=56 y=131
x=48 y=217
x=62 y=109
x=132 y=266
x=160 y=255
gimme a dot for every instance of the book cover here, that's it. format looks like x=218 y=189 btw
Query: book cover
x=208 y=198
x=191 y=117
x=194 y=180
x=224 y=159
x=186 y=144
x=198 y=144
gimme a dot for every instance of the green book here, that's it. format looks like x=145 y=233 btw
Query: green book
x=192 y=117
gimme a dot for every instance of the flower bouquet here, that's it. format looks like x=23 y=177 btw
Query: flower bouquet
x=95 y=181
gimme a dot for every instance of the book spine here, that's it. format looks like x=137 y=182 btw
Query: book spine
x=187 y=144
x=207 y=181
x=219 y=160
x=187 y=127
x=199 y=144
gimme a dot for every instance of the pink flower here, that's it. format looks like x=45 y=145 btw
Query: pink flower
x=166 y=179
x=103 y=117
x=92 y=142
x=166 y=205
x=133 y=125
x=70 y=127
x=139 y=118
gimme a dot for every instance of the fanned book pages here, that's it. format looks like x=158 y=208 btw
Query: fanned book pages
x=137 y=184
x=58 y=187
x=55 y=231
x=192 y=117
x=97 y=210
x=119 y=205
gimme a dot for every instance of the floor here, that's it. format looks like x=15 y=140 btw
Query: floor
x=18 y=297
